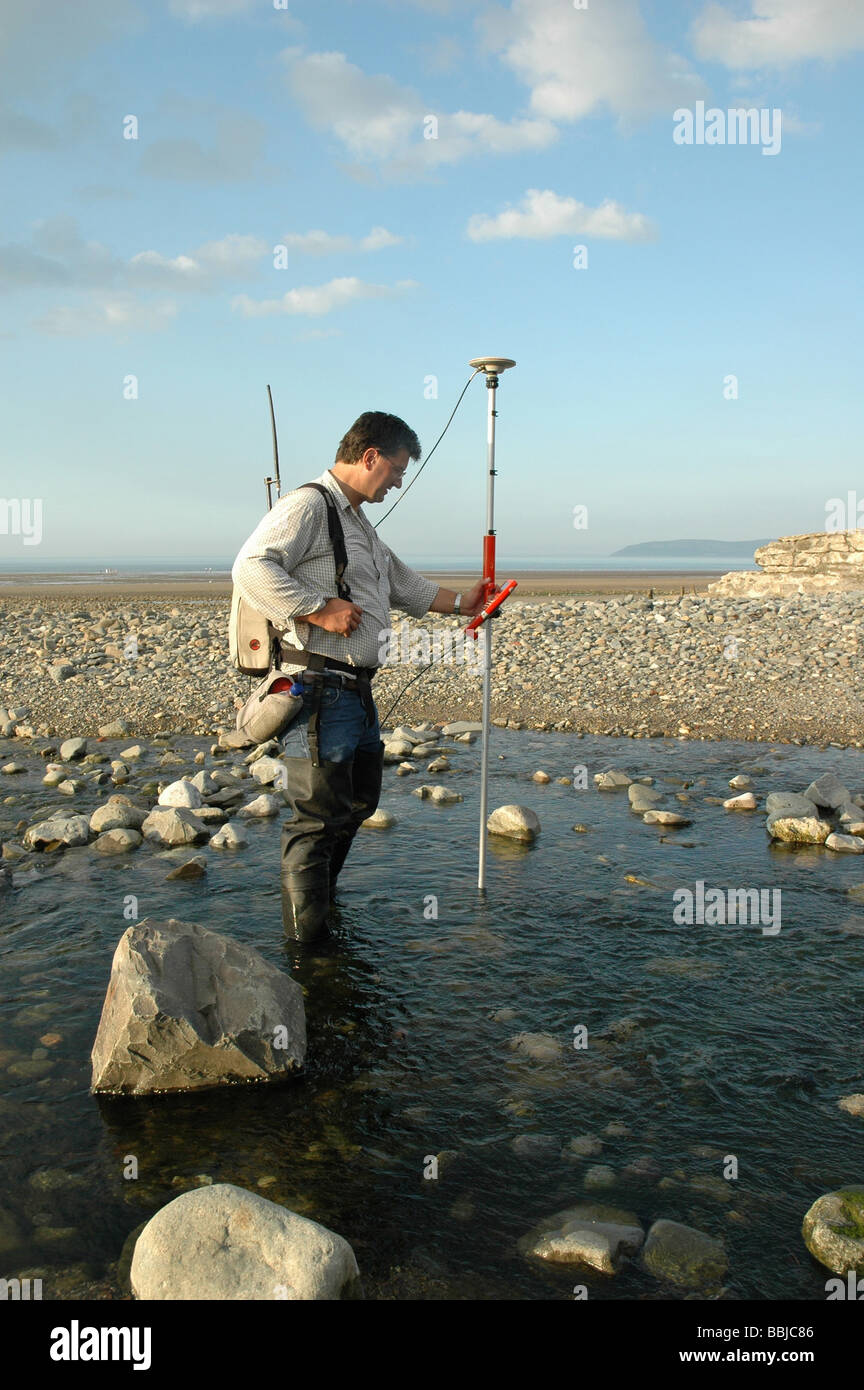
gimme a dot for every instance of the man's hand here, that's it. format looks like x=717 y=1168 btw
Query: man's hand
x=472 y=600
x=337 y=615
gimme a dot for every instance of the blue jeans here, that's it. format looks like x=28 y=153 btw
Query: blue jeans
x=342 y=729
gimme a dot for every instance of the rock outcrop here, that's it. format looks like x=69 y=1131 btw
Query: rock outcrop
x=816 y=563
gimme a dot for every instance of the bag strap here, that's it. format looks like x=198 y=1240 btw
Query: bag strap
x=337 y=539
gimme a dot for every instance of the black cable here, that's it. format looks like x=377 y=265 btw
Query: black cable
x=396 y=504
x=402 y=692
x=431 y=451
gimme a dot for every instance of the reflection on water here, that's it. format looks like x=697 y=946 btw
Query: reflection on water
x=702 y=1041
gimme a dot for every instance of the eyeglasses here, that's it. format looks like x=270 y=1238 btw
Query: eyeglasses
x=400 y=471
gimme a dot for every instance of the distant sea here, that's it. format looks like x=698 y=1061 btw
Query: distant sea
x=90 y=571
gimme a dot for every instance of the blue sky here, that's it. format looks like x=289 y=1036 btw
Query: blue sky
x=405 y=256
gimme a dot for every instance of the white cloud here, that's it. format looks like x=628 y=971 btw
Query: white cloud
x=41 y=40
x=779 y=32
x=210 y=9
x=59 y=255
x=319 y=299
x=544 y=214
x=578 y=61
x=317 y=243
x=377 y=120
x=19 y=131
x=233 y=156
x=233 y=254
x=372 y=116
x=111 y=315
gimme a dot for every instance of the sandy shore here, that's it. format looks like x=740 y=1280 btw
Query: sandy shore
x=533 y=584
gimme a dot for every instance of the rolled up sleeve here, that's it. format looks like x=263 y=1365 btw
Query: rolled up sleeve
x=409 y=591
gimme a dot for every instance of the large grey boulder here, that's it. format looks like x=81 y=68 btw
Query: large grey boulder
x=833 y=1230
x=62 y=828
x=789 y=804
x=181 y=793
x=591 y=1234
x=514 y=822
x=188 y=1008
x=828 y=791
x=224 y=1243
x=684 y=1256
x=117 y=813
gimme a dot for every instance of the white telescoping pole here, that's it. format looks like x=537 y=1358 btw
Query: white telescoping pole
x=486 y=631
x=492 y=366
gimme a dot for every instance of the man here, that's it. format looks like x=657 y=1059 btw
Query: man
x=332 y=750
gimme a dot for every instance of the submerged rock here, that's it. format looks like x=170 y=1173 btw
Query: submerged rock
x=665 y=818
x=589 y=1234
x=642 y=798
x=539 y=1047
x=611 y=779
x=221 y=1242
x=684 y=1256
x=187 y=1008
x=536 y=1146
x=117 y=841
x=833 y=1230
x=443 y=795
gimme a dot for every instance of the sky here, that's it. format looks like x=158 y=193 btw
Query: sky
x=350 y=200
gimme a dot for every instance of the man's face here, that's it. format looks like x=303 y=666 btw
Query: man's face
x=386 y=472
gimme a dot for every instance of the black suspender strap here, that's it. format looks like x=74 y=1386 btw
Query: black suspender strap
x=337 y=539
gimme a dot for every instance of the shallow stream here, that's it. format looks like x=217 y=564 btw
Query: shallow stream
x=703 y=1041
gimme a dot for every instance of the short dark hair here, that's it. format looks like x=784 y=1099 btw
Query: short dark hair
x=375 y=429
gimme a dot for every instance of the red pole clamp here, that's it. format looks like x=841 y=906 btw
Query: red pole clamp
x=491 y=607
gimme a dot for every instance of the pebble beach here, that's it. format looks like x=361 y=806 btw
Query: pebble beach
x=689 y=665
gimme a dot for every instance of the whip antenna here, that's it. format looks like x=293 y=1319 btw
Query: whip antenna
x=493 y=597
x=276 y=482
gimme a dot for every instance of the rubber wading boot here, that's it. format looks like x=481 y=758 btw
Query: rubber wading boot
x=366 y=774
x=321 y=800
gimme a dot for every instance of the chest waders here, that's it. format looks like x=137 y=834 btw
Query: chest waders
x=329 y=800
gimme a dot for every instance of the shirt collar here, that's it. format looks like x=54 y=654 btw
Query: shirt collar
x=332 y=485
